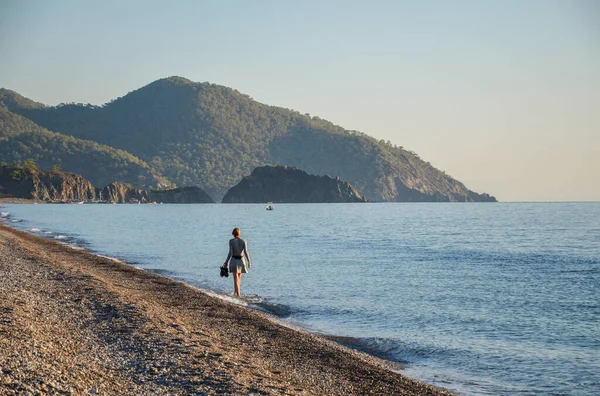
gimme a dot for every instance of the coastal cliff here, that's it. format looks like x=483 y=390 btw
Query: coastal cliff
x=121 y=193
x=28 y=182
x=285 y=184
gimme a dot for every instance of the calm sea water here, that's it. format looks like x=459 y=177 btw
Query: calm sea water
x=475 y=298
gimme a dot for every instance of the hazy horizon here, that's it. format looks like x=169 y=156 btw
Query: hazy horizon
x=503 y=96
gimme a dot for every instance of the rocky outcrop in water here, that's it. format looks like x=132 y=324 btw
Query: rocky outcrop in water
x=180 y=195
x=286 y=184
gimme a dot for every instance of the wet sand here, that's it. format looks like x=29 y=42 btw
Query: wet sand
x=75 y=323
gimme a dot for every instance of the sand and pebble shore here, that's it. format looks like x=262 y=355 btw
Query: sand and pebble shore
x=20 y=201
x=75 y=323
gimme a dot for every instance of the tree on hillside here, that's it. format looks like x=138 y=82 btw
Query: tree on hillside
x=30 y=164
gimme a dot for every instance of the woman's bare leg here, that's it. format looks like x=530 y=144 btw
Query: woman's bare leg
x=235 y=283
x=237 y=280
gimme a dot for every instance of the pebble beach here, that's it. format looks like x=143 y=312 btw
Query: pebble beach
x=72 y=322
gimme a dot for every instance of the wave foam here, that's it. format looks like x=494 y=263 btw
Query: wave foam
x=226 y=297
x=111 y=258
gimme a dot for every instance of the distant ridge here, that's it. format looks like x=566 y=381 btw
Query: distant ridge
x=212 y=136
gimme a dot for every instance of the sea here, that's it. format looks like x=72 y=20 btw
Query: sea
x=476 y=298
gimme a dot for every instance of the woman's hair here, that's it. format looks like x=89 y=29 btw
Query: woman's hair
x=235 y=232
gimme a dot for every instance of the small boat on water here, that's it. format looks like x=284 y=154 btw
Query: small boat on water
x=270 y=206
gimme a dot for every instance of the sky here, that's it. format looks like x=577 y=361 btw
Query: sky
x=502 y=95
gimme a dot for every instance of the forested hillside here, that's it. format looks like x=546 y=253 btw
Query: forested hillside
x=212 y=136
x=22 y=139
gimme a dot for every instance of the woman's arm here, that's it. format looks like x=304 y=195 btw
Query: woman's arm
x=247 y=253
x=228 y=254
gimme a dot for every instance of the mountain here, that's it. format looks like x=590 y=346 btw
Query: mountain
x=212 y=136
x=285 y=184
x=21 y=139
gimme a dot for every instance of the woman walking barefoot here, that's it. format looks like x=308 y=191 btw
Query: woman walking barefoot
x=237 y=256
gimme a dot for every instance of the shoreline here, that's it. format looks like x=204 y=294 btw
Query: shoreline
x=74 y=322
x=20 y=201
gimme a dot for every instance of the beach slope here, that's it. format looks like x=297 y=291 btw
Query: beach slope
x=75 y=323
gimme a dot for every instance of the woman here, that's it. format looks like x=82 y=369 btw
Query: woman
x=237 y=262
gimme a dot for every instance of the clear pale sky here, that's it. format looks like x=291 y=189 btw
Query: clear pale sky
x=502 y=95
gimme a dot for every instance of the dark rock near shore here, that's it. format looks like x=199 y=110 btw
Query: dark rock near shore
x=285 y=184
x=180 y=195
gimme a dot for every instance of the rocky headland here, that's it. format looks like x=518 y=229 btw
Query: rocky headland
x=31 y=183
x=23 y=182
x=286 y=184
